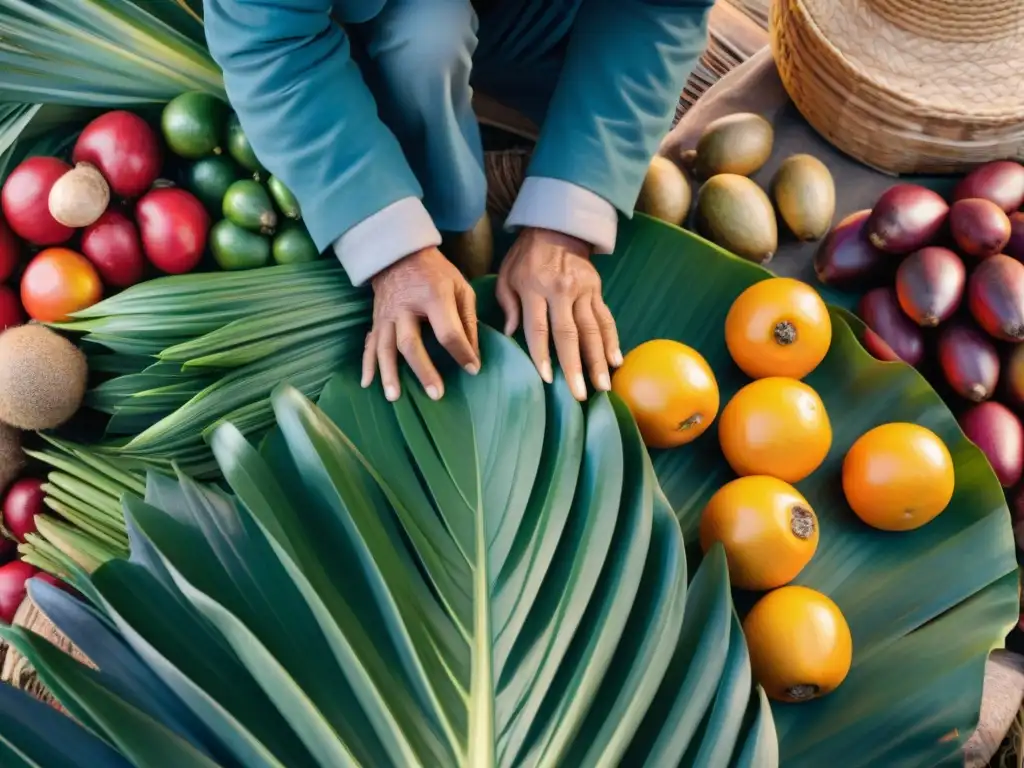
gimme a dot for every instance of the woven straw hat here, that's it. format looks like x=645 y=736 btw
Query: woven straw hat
x=926 y=86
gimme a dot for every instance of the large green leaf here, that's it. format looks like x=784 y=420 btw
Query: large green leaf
x=494 y=579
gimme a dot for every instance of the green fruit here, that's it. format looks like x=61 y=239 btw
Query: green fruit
x=240 y=148
x=735 y=213
x=805 y=196
x=293 y=245
x=194 y=125
x=236 y=248
x=665 y=193
x=283 y=197
x=739 y=144
x=247 y=204
x=209 y=179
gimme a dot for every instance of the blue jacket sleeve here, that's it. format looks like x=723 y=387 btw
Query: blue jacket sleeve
x=625 y=66
x=306 y=110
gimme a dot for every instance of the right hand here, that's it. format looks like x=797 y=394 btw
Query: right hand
x=422 y=286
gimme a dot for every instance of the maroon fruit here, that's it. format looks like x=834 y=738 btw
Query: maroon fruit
x=1013 y=375
x=10 y=252
x=13 y=576
x=979 y=227
x=998 y=433
x=26 y=201
x=846 y=258
x=880 y=309
x=11 y=311
x=905 y=218
x=174 y=226
x=8 y=550
x=995 y=296
x=24 y=500
x=969 y=362
x=1015 y=245
x=930 y=284
x=112 y=245
x=878 y=347
x=125 y=149
x=1001 y=181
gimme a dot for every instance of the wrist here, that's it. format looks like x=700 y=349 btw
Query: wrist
x=554 y=238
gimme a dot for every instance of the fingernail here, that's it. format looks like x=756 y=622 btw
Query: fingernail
x=473 y=369
x=391 y=393
x=434 y=393
x=604 y=383
x=617 y=357
x=545 y=372
x=579 y=386
x=365 y=382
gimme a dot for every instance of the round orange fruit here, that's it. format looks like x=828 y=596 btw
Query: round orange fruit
x=776 y=427
x=799 y=642
x=58 y=282
x=897 y=477
x=670 y=390
x=778 y=327
x=767 y=528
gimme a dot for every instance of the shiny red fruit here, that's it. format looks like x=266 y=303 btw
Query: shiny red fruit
x=113 y=246
x=13 y=576
x=174 y=226
x=11 y=311
x=10 y=252
x=125 y=149
x=26 y=201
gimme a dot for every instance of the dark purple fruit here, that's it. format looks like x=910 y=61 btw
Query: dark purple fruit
x=1015 y=245
x=880 y=309
x=846 y=259
x=1013 y=376
x=998 y=433
x=1001 y=181
x=930 y=285
x=878 y=347
x=979 y=227
x=905 y=218
x=995 y=296
x=969 y=362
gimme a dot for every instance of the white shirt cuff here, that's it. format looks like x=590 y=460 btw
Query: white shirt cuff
x=387 y=236
x=565 y=207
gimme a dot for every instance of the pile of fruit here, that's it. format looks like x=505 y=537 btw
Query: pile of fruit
x=731 y=210
x=775 y=432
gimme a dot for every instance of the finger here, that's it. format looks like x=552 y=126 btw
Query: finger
x=509 y=302
x=387 y=359
x=466 y=299
x=369 y=360
x=535 y=325
x=447 y=325
x=591 y=343
x=609 y=331
x=567 y=346
x=410 y=345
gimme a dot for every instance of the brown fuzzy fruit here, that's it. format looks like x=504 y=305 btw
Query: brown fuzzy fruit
x=43 y=377
x=12 y=458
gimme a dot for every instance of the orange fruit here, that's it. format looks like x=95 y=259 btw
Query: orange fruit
x=670 y=390
x=57 y=282
x=777 y=427
x=897 y=477
x=778 y=327
x=767 y=528
x=799 y=642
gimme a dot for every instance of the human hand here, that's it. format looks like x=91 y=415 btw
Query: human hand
x=423 y=285
x=548 y=275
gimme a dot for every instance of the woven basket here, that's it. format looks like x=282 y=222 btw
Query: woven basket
x=907 y=86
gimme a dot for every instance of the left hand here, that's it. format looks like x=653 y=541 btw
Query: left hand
x=548 y=276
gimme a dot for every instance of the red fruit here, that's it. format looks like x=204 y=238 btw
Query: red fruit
x=979 y=227
x=1015 y=245
x=995 y=296
x=125 y=149
x=880 y=309
x=11 y=311
x=112 y=245
x=8 y=550
x=23 y=502
x=174 y=225
x=878 y=347
x=969 y=361
x=1001 y=181
x=930 y=284
x=12 y=587
x=998 y=433
x=26 y=201
x=905 y=218
x=10 y=252
x=845 y=259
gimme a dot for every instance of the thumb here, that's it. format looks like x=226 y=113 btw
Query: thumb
x=509 y=302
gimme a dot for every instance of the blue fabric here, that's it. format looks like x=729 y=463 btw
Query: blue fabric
x=353 y=120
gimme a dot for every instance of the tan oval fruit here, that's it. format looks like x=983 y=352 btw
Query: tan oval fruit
x=79 y=197
x=665 y=193
x=739 y=143
x=805 y=195
x=735 y=213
